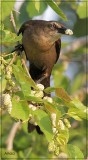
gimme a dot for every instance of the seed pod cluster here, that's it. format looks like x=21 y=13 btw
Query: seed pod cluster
x=8 y=76
x=6 y=102
x=59 y=140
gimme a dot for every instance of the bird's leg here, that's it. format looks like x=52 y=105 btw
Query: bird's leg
x=18 y=48
x=42 y=78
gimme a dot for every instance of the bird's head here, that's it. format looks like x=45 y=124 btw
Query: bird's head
x=55 y=30
x=40 y=32
x=49 y=30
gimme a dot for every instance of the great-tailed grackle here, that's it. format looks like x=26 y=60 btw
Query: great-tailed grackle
x=41 y=42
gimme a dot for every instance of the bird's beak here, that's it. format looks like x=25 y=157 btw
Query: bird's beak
x=64 y=30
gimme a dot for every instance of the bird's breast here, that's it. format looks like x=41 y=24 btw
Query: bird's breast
x=39 y=52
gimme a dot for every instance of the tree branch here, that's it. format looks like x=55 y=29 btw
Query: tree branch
x=12 y=134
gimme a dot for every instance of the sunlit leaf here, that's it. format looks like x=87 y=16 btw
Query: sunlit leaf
x=55 y=7
x=51 y=108
x=8 y=37
x=19 y=64
x=22 y=79
x=5 y=11
x=37 y=5
x=35 y=8
x=74 y=152
x=43 y=120
x=82 y=9
x=73 y=114
x=20 y=109
x=61 y=93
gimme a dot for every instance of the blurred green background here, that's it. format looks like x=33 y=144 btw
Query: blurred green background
x=70 y=72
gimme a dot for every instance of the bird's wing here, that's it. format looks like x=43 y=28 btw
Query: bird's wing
x=58 y=48
x=24 y=26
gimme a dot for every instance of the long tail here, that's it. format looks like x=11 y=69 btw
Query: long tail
x=37 y=74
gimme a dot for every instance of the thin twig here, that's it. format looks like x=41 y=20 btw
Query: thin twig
x=11 y=135
x=23 y=62
x=13 y=22
x=12 y=60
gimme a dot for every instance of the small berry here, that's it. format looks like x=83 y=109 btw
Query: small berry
x=7 y=99
x=54 y=129
x=49 y=99
x=39 y=94
x=33 y=92
x=40 y=87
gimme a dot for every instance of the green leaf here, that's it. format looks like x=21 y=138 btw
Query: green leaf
x=34 y=99
x=81 y=10
x=61 y=93
x=63 y=136
x=37 y=5
x=77 y=104
x=55 y=7
x=43 y=120
x=49 y=90
x=78 y=108
x=78 y=113
x=74 y=152
x=72 y=113
x=32 y=83
x=35 y=8
x=22 y=79
x=20 y=109
x=8 y=37
x=51 y=108
x=5 y=11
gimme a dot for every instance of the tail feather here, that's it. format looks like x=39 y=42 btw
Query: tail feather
x=37 y=74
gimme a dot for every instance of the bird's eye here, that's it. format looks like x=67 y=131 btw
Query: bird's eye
x=52 y=26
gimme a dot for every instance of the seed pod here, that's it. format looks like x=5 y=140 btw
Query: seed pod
x=8 y=76
x=53 y=118
x=56 y=152
x=9 y=69
x=61 y=125
x=9 y=108
x=51 y=146
x=12 y=83
x=67 y=123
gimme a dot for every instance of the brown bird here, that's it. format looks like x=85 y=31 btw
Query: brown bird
x=41 y=42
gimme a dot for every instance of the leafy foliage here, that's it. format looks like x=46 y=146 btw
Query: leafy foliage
x=56 y=116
